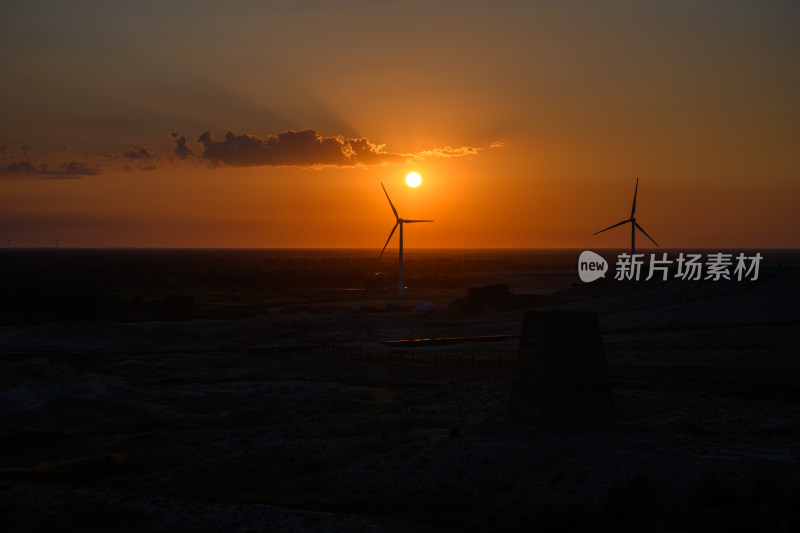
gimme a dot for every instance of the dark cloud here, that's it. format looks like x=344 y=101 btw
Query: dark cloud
x=139 y=152
x=305 y=148
x=76 y=168
x=25 y=164
x=181 y=150
x=19 y=167
x=141 y=157
x=70 y=169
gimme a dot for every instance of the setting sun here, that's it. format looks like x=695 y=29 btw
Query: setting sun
x=413 y=179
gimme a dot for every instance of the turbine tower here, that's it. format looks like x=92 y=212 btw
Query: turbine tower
x=400 y=223
x=9 y=240
x=56 y=241
x=634 y=224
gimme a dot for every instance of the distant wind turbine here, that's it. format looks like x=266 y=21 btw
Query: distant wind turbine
x=56 y=241
x=632 y=221
x=8 y=241
x=400 y=223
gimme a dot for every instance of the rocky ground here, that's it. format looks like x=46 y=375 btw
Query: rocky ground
x=257 y=424
x=254 y=440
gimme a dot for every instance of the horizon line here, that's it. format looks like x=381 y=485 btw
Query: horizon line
x=369 y=248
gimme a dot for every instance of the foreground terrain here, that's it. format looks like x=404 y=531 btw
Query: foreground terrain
x=300 y=418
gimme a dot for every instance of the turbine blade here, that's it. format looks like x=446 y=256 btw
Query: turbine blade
x=390 y=202
x=389 y=239
x=633 y=209
x=412 y=221
x=643 y=231
x=614 y=226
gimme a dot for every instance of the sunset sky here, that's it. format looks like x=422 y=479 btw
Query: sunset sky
x=272 y=124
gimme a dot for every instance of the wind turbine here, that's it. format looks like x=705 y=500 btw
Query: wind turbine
x=9 y=240
x=400 y=223
x=634 y=224
x=56 y=241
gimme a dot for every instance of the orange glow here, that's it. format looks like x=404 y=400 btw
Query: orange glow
x=529 y=125
x=496 y=200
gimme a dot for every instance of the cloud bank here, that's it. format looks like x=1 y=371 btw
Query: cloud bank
x=304 y=149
